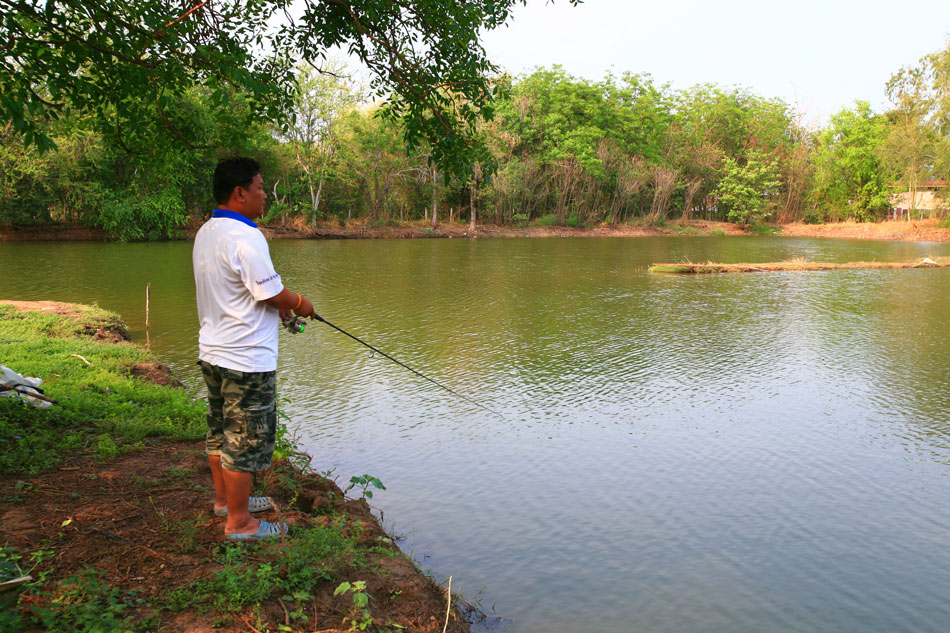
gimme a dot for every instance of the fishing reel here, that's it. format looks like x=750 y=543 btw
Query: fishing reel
x=294 y=325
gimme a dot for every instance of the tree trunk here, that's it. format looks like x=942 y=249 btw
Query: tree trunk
x=435 y=199
x=471 y=203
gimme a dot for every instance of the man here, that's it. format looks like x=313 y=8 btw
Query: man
x=240 y=303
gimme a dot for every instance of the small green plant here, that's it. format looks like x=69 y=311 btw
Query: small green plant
x=364 y=482
x=106 y=448
x=573 y=221
x=520 y=219
x=360 y=617
x=717 y=232
x=944 y=223
x=240 y=584
x=185 y=533
x=690 y=231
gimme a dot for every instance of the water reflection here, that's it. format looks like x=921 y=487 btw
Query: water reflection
x=716 y=453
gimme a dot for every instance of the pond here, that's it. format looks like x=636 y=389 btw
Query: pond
x=742 y=453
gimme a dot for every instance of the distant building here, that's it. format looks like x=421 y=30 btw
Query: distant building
x=925 y=200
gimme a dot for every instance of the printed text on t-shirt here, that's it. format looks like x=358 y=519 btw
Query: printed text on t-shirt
x=271 y=278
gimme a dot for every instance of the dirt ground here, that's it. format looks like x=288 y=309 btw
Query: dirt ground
x=904 y=231
x=917 y=230
x=146 y=520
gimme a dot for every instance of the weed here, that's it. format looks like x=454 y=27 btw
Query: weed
x=312 y=555
x=762 y=229
x=717 y=232
x=106 y=448
x=182 y=473
x=85 y=603
x=185 y=533
x=364 y=482
x=359 y=617
x=82 y=602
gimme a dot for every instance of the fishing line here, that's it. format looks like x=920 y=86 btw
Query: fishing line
x=295 y=325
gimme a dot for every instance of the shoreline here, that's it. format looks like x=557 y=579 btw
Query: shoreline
x=118 y=525
x=913 y=231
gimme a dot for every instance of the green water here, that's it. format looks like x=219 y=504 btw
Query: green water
x=742 y=453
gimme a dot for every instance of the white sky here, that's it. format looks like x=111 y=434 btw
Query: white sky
x=820 y=55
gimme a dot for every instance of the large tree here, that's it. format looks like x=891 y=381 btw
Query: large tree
x=127 y=62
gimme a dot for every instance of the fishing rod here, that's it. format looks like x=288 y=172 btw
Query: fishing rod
x=295 y=325
x=27 y=392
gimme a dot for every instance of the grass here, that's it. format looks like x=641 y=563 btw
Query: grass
x=101 y=408
x=83 y=602
x=762 y=229
x=545 y=220
x=253 y=572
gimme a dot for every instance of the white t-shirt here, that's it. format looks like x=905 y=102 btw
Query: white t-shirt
x=233 y=275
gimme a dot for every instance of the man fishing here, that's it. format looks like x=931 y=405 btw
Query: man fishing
x=240 y=303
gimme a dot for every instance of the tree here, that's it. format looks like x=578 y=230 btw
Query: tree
x=127 y=61
x=850 y=178
x=375 y=157
x=321 y=100
x=918 y=120
x=747 y=191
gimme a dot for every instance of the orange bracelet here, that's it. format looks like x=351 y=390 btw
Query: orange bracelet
x=299 y=300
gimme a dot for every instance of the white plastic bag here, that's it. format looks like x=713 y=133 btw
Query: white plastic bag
x=24 y=386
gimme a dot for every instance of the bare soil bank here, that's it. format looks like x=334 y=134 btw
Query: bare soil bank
x=914 y=231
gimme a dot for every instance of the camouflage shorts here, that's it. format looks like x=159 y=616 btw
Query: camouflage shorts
x=242 y=417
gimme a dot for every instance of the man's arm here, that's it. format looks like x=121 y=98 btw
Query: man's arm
x=289 y=303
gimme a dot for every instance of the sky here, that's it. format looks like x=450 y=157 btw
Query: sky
x=818 y=55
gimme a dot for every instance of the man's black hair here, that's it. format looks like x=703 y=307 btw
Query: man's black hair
x=231 y=173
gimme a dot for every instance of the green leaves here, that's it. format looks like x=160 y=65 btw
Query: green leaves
x=116 y=60
x=364 y=482
x=747 y=191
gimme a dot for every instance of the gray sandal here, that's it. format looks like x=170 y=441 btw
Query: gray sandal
x=265 y=532
x=254 y=504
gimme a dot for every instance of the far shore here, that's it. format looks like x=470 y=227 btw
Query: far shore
x=907 y=231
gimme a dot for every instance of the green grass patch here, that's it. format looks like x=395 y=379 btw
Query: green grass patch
x=101 y=408
x=717 y=232
x=762 y=229
x=545 y=220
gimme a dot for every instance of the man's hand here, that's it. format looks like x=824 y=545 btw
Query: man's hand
x=286 y=301
x=306 y=309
